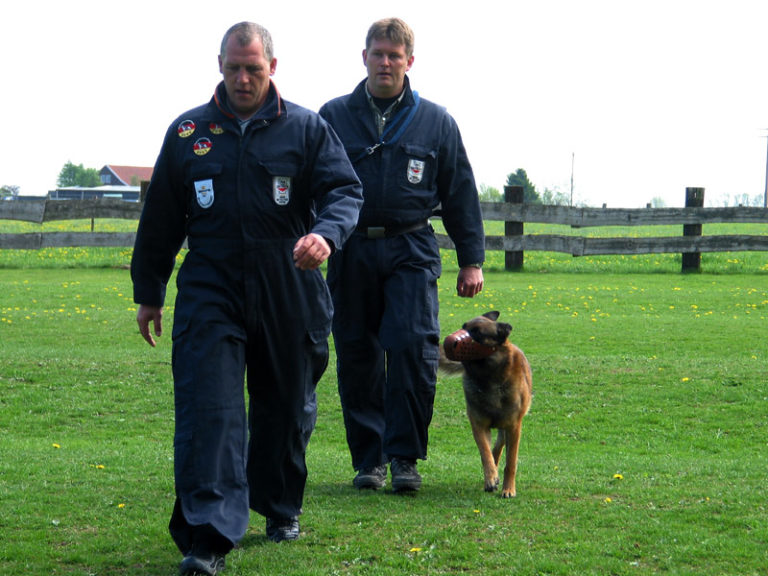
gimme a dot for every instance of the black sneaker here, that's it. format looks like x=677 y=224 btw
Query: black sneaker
x=372 y=478
x=405 y=477
x=201 y=564
x=279 y=529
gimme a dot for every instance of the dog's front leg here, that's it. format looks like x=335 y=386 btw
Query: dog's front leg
x=508 y=489
x=482 y=436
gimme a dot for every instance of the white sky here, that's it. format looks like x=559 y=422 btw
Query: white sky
x=647 y=97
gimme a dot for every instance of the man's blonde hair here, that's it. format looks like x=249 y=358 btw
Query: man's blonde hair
x=394 y=30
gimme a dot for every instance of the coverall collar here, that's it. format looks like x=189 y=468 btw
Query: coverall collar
x=272 y=108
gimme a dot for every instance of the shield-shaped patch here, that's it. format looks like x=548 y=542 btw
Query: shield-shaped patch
x=415 y=170
x=281 y=190
x=204 y=192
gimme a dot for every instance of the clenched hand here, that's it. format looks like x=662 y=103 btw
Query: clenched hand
x=310 y=251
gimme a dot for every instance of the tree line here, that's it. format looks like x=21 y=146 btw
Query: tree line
x=78 y=175
x=70 y=175
x=530 y=194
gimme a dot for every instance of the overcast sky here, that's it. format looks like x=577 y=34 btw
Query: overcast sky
x=641 y=99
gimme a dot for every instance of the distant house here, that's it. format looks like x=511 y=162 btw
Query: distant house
x=112 y=175
x=123 y=182
x=127 y=193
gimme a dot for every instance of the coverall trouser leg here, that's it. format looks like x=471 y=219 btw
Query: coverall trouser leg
x=277 y=331
x=386 y=333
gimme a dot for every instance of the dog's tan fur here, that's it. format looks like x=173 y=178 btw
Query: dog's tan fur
x=498 y=391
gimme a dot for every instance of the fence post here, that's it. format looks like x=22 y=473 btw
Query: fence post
x=513 y=259
x=694 y=198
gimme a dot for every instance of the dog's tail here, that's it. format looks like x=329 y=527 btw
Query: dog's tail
x=449 y=367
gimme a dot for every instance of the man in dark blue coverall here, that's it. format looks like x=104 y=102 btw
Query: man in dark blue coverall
x=263 y=192
x=410 y=158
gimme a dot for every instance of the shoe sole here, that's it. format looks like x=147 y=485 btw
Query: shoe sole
x=277 y=539
x=369 y=484
x=406 y=485
x=195 y=567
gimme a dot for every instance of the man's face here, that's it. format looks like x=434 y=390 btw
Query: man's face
x=387 y=64
x=246 y=74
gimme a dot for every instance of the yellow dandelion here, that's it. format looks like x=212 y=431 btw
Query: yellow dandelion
x=618 y=477
x=56 y=445
x=415 y=550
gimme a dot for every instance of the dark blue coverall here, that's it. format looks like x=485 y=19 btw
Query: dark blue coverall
x=384 y=282
x=242 y=200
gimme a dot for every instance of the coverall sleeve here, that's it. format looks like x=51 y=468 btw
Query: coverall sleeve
x=461 y=213
x=161 y=230
x=337 y=190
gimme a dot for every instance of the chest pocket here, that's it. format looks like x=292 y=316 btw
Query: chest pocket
x=419 y=166
x=284 y=182
x=202 y=182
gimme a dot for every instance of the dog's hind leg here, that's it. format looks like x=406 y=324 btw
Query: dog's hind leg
x=498 y=447
x=482 y=436
x=508 y=489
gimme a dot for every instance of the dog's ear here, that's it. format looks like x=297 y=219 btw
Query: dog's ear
x=492 y=315
x=502 y=331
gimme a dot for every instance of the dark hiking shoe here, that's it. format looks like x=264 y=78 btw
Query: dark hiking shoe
x=201 y=564
x=405 y=477
x=279 y=529
x=372 y=478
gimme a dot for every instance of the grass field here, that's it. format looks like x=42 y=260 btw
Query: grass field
x=645 y=452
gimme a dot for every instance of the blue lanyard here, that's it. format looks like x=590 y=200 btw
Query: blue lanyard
x=411 y=110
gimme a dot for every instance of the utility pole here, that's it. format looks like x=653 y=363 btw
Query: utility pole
x=765 y=194
x=573 y=157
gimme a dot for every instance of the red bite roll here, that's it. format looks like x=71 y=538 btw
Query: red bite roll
x=460 y=347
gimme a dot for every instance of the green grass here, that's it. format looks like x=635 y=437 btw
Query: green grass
x=645 y=451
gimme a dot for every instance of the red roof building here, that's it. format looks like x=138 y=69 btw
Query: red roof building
x=112 y=175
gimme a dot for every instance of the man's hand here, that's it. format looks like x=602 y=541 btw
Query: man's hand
x=144 y=316
x=469 y=282
x=310 y=251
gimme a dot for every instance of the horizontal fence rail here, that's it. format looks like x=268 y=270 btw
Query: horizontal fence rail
x=592 y=217
x=515 y=214
x=581 y=246
x=41 y=210
x=512 y=212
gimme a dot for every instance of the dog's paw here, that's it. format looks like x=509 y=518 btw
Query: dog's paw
x=508 y=493
x=492 y=484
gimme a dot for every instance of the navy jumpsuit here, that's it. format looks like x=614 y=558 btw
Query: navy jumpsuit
x=242 y=200
x=384 y=282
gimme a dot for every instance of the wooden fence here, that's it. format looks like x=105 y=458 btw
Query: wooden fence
x=691 y=244
x=40 y=210
x=512 y=212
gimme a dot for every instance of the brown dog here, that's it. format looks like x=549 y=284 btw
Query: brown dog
x=498 y=390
